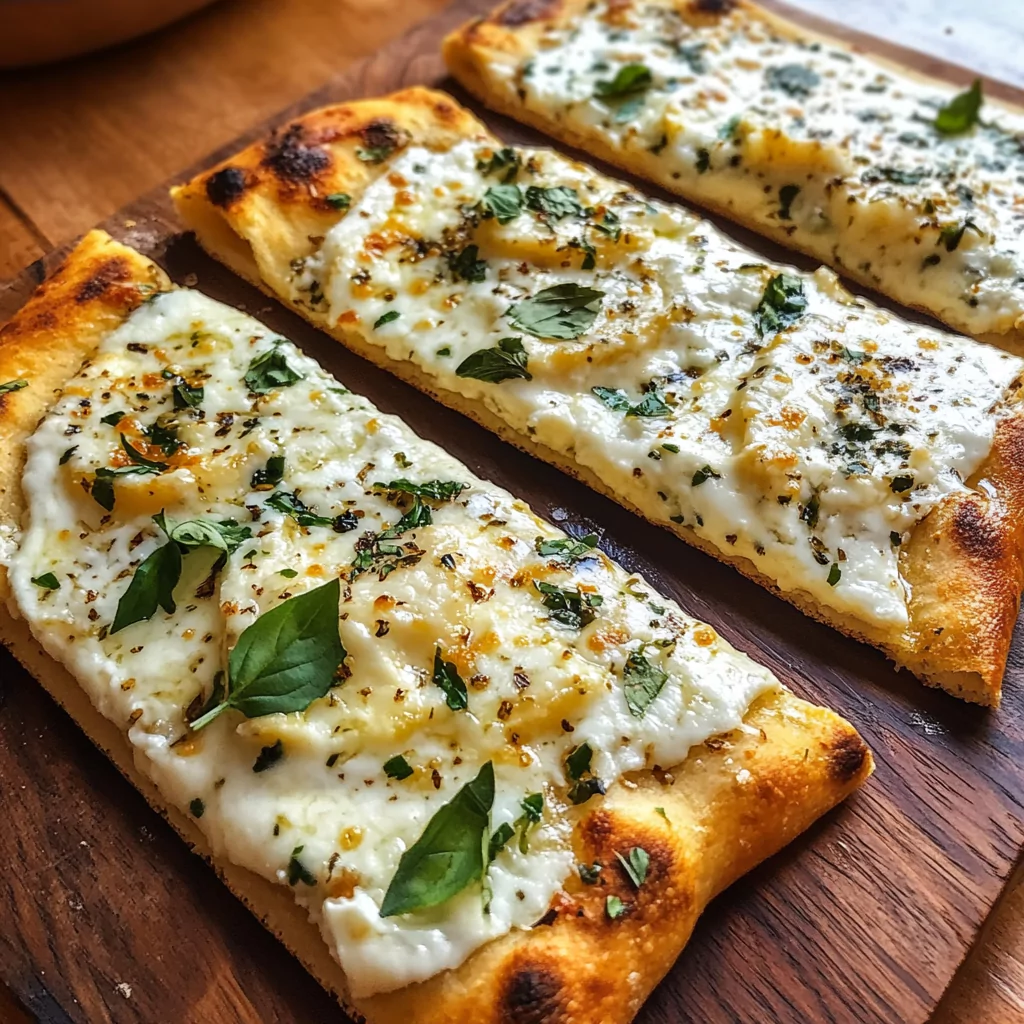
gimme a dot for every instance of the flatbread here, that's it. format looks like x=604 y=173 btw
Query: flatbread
x=267 y=208
x=735 y=800
x=787 y=170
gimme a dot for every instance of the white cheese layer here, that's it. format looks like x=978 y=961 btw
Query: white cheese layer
x=303 y=798
x=836 y=149
x=811 y=450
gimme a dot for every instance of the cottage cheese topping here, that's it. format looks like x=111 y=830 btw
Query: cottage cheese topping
x=303 y=798
x=768 y=410
x=839 y=151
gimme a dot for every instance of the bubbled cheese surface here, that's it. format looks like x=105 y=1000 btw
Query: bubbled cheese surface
x=464 y=583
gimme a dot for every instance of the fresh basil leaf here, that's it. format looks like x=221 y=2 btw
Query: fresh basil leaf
x=555 y=203
x=449 y=855
x=614 y=907
x=652 y=404
x=290 y=504
x=608 y=225
x=569 y=549
x=446 y=675
x=297 y=871
x=139 y=459
x=499 y=840
x=339 y=200
x=635 y=865
x=506 y=361
x=13 y=385
x=270 y=475
x=628 y=80
x=505 y=202
x=505 y=163
x=47 y=581
x=164 y=437
x=564 y=312
x=584 y=783
x=467 y=265
x=268 y=756
x=781 y=305
x=186 y=396
x=786 y=196
x=417 y=516
x=397 y=768
x=226 y=535
x=66 y=457
x=436 y=490
x=641 y=683
x=580 y=792
x=578 y=762
x=287 y=658
x=103 y=484
x=113 y=418
x=794 y=79
x=151 y=586
x=270 y=371
x=533 y=808
x=961 y=112
x=386 y=318
x=569 y=607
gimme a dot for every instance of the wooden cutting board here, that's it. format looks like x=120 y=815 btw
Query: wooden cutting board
x=105 y=916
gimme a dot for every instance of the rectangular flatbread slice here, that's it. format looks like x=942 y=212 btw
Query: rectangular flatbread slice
x=867 y=469
x=904 y=184
x=464 y=765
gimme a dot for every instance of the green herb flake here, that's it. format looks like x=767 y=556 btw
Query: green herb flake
x=288 y=574
x=67 y=454
x=113 y=418
x=197 y=808
x=835 y=574
x=781 y=305
x=704 y=474
x=446 y=676
x=563 y=312
x=13 y=385
x=614 y=907
x=270 y=371
x=899 y=484
x=641 y=684
x=505 y=163
x=661 y=811
x=590 y=874
x=506 y=361
x=568 y=549
x=569 y=607
x=339 y=200
x=151 y=586
x=961 y=112
x=467 y=266
x=386 y=318
x=703 y=160
x=186 y=396
x=268 y=756
x=270 y=475
x=397 y=768
x=651 y=405
x=793 y=79
x=449 y=855
x=786 y=196
x=895 y=539
x=47 y=581
x=635 y=864
x=297 y=871
x=554 y=203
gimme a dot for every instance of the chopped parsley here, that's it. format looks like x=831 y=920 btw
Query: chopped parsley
x=961 y=112
x=781 y=305
x=397 y=768
x=386 y=318
x=571 y=608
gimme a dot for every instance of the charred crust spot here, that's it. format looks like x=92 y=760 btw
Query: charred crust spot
x=107 y=273
x=522 y=12
x=532 y=996
x=976 y=533
x=382 y=134
x=846 y=756
x=291 y=159
x=604 y=836
x=223 y=187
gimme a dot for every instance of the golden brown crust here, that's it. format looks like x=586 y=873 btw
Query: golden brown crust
x=735 y=800
x=964 y=595
x=504 y=38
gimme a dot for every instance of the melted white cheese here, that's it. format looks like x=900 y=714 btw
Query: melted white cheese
x=825 y=443
x=735 y=114
x=327 y=801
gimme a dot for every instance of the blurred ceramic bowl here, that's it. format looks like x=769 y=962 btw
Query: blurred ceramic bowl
x=40 y=31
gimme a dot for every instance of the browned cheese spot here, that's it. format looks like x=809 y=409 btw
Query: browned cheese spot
x=290 y=159
x=223 y=187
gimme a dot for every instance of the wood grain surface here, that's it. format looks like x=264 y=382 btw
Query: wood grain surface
x=107 y=917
